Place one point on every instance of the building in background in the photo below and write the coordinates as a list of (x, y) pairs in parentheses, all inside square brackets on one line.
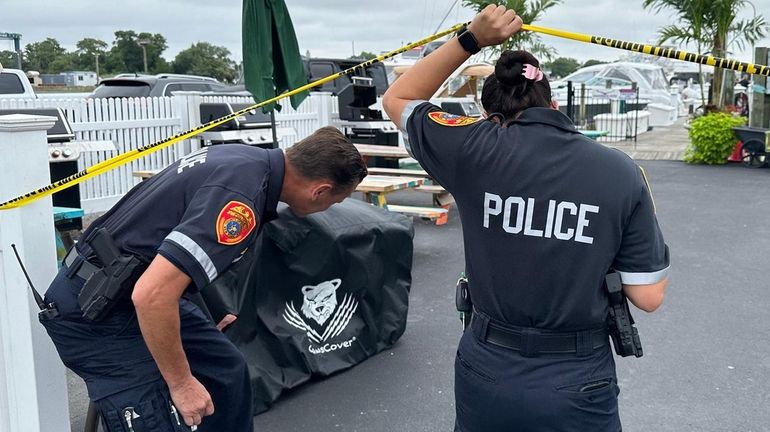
[(80, 78), (70, 79)]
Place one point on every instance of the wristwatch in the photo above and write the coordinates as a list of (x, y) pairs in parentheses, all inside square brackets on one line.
[(468, 41)]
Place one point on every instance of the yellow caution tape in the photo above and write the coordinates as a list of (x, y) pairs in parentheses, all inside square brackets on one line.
[(131, 155), (754, 69)]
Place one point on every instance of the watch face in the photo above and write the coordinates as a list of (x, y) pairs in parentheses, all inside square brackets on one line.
[(469, 42)]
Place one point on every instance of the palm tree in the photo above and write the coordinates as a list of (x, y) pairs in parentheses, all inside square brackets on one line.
[(529, 11), (712, 24), (691, 14), (727, 32)]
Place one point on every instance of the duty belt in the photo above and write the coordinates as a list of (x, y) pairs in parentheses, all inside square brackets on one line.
[(531, 341), (76, 265)]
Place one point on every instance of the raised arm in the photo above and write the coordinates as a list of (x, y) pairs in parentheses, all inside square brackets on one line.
[(491, 26)]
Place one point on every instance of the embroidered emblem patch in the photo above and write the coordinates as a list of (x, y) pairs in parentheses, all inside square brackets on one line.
[(235, 222), (447, 119)]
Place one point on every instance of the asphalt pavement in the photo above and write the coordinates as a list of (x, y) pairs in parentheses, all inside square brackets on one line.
[(707, 349)]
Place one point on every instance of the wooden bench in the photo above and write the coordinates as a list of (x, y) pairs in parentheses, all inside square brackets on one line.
[(441, 199), (146, 174), (398, 172), (440, 195), (432, 213)]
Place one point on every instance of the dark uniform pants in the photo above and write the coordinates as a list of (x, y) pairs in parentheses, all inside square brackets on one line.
[(123, 379), (498, 389)]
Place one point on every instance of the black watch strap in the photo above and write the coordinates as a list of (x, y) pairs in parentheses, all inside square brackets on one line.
[(468, 41)]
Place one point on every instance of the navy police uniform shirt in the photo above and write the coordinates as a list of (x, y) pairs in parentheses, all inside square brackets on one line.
[(545, 213), (202, 212)]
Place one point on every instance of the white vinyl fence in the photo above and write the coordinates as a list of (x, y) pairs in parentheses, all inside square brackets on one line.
[(136, 122)]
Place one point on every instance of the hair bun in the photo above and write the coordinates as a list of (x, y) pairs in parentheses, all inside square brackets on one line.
[(510, 67)]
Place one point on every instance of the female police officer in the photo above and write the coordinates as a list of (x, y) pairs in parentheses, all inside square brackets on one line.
[(545, 213)]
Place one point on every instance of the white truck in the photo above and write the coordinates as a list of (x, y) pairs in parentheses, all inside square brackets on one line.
[(15, 85)]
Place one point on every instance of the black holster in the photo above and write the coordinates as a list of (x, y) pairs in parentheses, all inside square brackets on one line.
[(625, 337), (463, 301), (111, 284)]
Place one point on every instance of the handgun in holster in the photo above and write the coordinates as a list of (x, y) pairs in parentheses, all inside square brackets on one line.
[(463, 301), (625, 337), (111, 284)]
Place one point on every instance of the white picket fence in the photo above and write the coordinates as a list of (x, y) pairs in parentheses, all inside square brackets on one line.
[(136, 122)]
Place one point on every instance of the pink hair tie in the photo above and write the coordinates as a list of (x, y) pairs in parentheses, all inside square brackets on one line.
[(532, 73)]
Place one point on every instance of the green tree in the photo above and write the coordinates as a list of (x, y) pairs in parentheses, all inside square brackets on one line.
[(562, 66), (592, 62), (88, 49), (206, 59), (63, 63), (8, 59), (126, 54), (712, 25), (529, 11), (365, 55), (40, 56)]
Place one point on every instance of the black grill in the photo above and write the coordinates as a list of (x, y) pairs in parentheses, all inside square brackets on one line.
[(254, 119)]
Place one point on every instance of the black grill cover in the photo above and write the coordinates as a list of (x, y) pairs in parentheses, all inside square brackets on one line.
[(317, 295)]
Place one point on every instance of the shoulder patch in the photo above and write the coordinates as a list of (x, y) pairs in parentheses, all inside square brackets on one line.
[(235, 222), (446, 119)]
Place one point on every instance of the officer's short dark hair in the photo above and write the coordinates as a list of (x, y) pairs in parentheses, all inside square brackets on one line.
[(509, 92), (328, 155)]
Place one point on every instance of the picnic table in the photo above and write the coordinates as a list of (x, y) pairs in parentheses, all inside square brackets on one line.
[(376, 187), (391, 152)]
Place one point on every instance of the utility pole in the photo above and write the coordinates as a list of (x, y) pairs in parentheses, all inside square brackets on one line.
[(142, 43), (96, 56)]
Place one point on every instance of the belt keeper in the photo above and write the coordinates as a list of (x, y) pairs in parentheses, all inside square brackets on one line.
[(73, 269), (528, 343), (584, 343), (483, 325)]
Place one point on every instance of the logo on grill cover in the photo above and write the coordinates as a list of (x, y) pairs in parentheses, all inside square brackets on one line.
[(322, 317)]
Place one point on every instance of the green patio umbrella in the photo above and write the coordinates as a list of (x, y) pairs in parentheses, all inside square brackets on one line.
[(271, 60)]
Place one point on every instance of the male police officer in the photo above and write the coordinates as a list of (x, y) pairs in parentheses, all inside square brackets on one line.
[(150, 358)]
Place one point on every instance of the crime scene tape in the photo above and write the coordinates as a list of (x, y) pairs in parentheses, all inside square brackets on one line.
[(754, 69), (131, 155)]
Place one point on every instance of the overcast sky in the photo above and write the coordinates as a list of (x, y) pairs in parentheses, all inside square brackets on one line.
[(327, 28)]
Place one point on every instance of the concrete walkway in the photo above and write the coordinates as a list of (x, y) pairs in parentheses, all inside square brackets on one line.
[(661, 143)]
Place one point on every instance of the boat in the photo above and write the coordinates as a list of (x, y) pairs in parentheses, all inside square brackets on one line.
[(610, 82)]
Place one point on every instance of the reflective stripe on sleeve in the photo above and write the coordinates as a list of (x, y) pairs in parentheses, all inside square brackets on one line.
[(196, 251), (632, 278), (408, 110)]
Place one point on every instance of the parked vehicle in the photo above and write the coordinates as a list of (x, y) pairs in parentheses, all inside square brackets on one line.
[(318, 68), (15, 85), (137, 85)]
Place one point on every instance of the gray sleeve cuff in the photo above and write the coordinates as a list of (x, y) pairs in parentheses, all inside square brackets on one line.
[(408, 110), (633, 278)]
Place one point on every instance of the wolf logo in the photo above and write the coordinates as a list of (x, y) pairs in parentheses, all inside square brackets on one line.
[(320, 300), (320, 304)]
